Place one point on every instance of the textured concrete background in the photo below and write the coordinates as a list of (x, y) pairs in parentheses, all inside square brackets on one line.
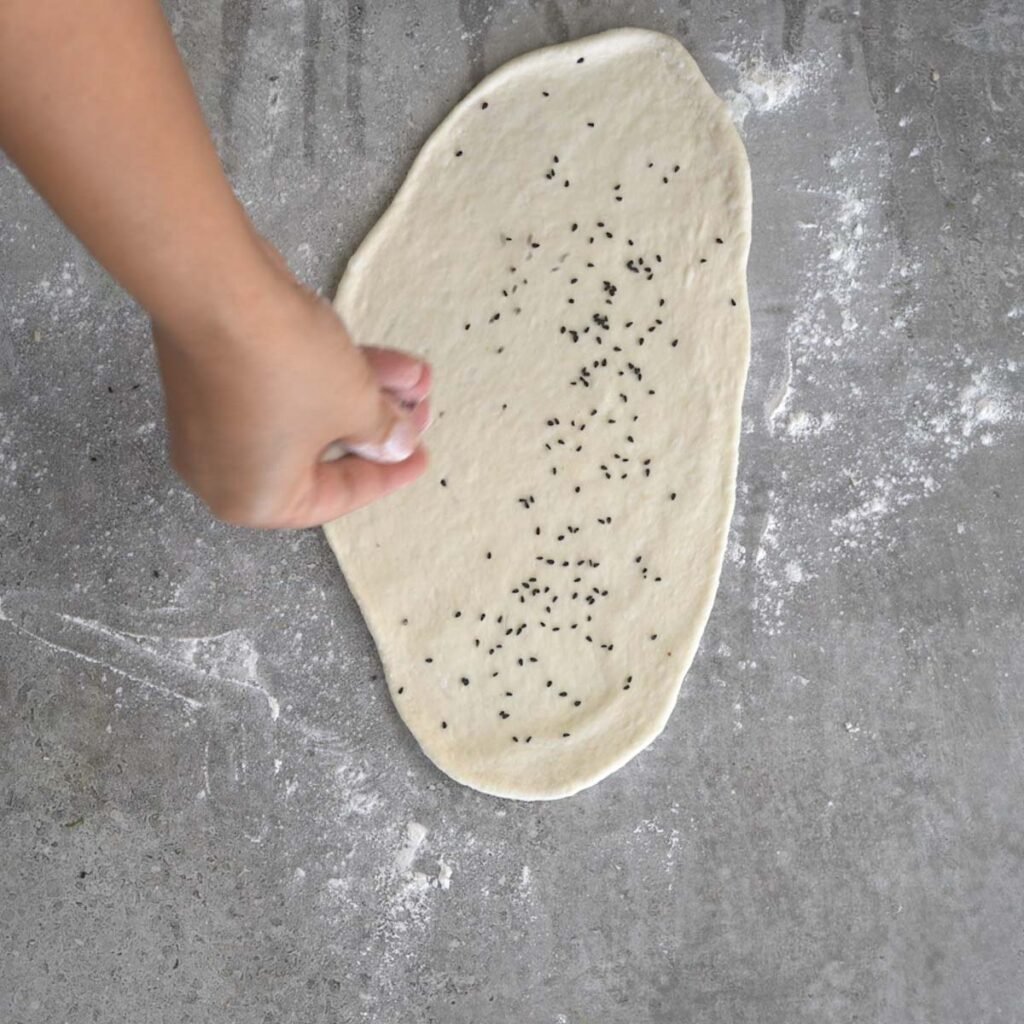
[(205, 791)]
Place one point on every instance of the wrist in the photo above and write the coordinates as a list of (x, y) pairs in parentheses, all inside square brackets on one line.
[(229, 295)]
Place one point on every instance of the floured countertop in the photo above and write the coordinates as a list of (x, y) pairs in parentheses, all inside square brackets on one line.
[(211, 810)]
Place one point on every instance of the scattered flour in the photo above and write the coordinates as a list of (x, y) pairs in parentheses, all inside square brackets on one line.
[(805, 424), (882, 426), (406, 895), (763, 86), (359, 796), (444, 874), (984, 403), (147, 684), (227, 660), (415, 833)]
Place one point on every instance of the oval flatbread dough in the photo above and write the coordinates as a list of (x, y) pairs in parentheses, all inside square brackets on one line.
[(569, 252)]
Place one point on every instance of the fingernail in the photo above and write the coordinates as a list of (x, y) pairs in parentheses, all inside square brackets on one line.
[(396, 447)]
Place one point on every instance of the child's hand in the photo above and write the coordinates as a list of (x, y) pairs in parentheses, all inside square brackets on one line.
[(255, 403), (261, 378)]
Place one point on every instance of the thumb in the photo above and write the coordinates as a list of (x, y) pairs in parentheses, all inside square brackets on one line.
[(391, 435)]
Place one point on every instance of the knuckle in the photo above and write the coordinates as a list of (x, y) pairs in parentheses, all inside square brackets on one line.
[(238, 510)]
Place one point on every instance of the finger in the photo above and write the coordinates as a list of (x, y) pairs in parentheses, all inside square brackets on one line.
[(421, 416), (380, 429), (422, 389), (393, 436), (350, 483), (399, 372)]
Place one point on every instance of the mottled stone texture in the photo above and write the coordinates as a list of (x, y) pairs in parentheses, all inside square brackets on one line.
[(204, 786)]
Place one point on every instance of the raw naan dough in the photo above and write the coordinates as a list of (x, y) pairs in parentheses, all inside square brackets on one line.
[(569, 252)]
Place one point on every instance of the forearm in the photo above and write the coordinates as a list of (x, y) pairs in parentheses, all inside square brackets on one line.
[(98, 112)]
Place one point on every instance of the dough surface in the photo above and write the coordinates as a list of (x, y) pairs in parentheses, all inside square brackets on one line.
[(569, 252)]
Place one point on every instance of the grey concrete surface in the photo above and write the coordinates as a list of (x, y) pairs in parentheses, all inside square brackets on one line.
[(203, 786)]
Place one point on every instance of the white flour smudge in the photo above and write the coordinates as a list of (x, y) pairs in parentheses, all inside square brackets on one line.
[(405, 861), (764, 86), (147, 684), (415, 833), (228, 659), (444, 874), (358, 795), (984, 404)]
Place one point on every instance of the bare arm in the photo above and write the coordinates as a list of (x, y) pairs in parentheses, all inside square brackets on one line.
[(260, 376)]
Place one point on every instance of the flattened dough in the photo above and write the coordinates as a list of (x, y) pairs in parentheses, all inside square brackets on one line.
[(569, 252)]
